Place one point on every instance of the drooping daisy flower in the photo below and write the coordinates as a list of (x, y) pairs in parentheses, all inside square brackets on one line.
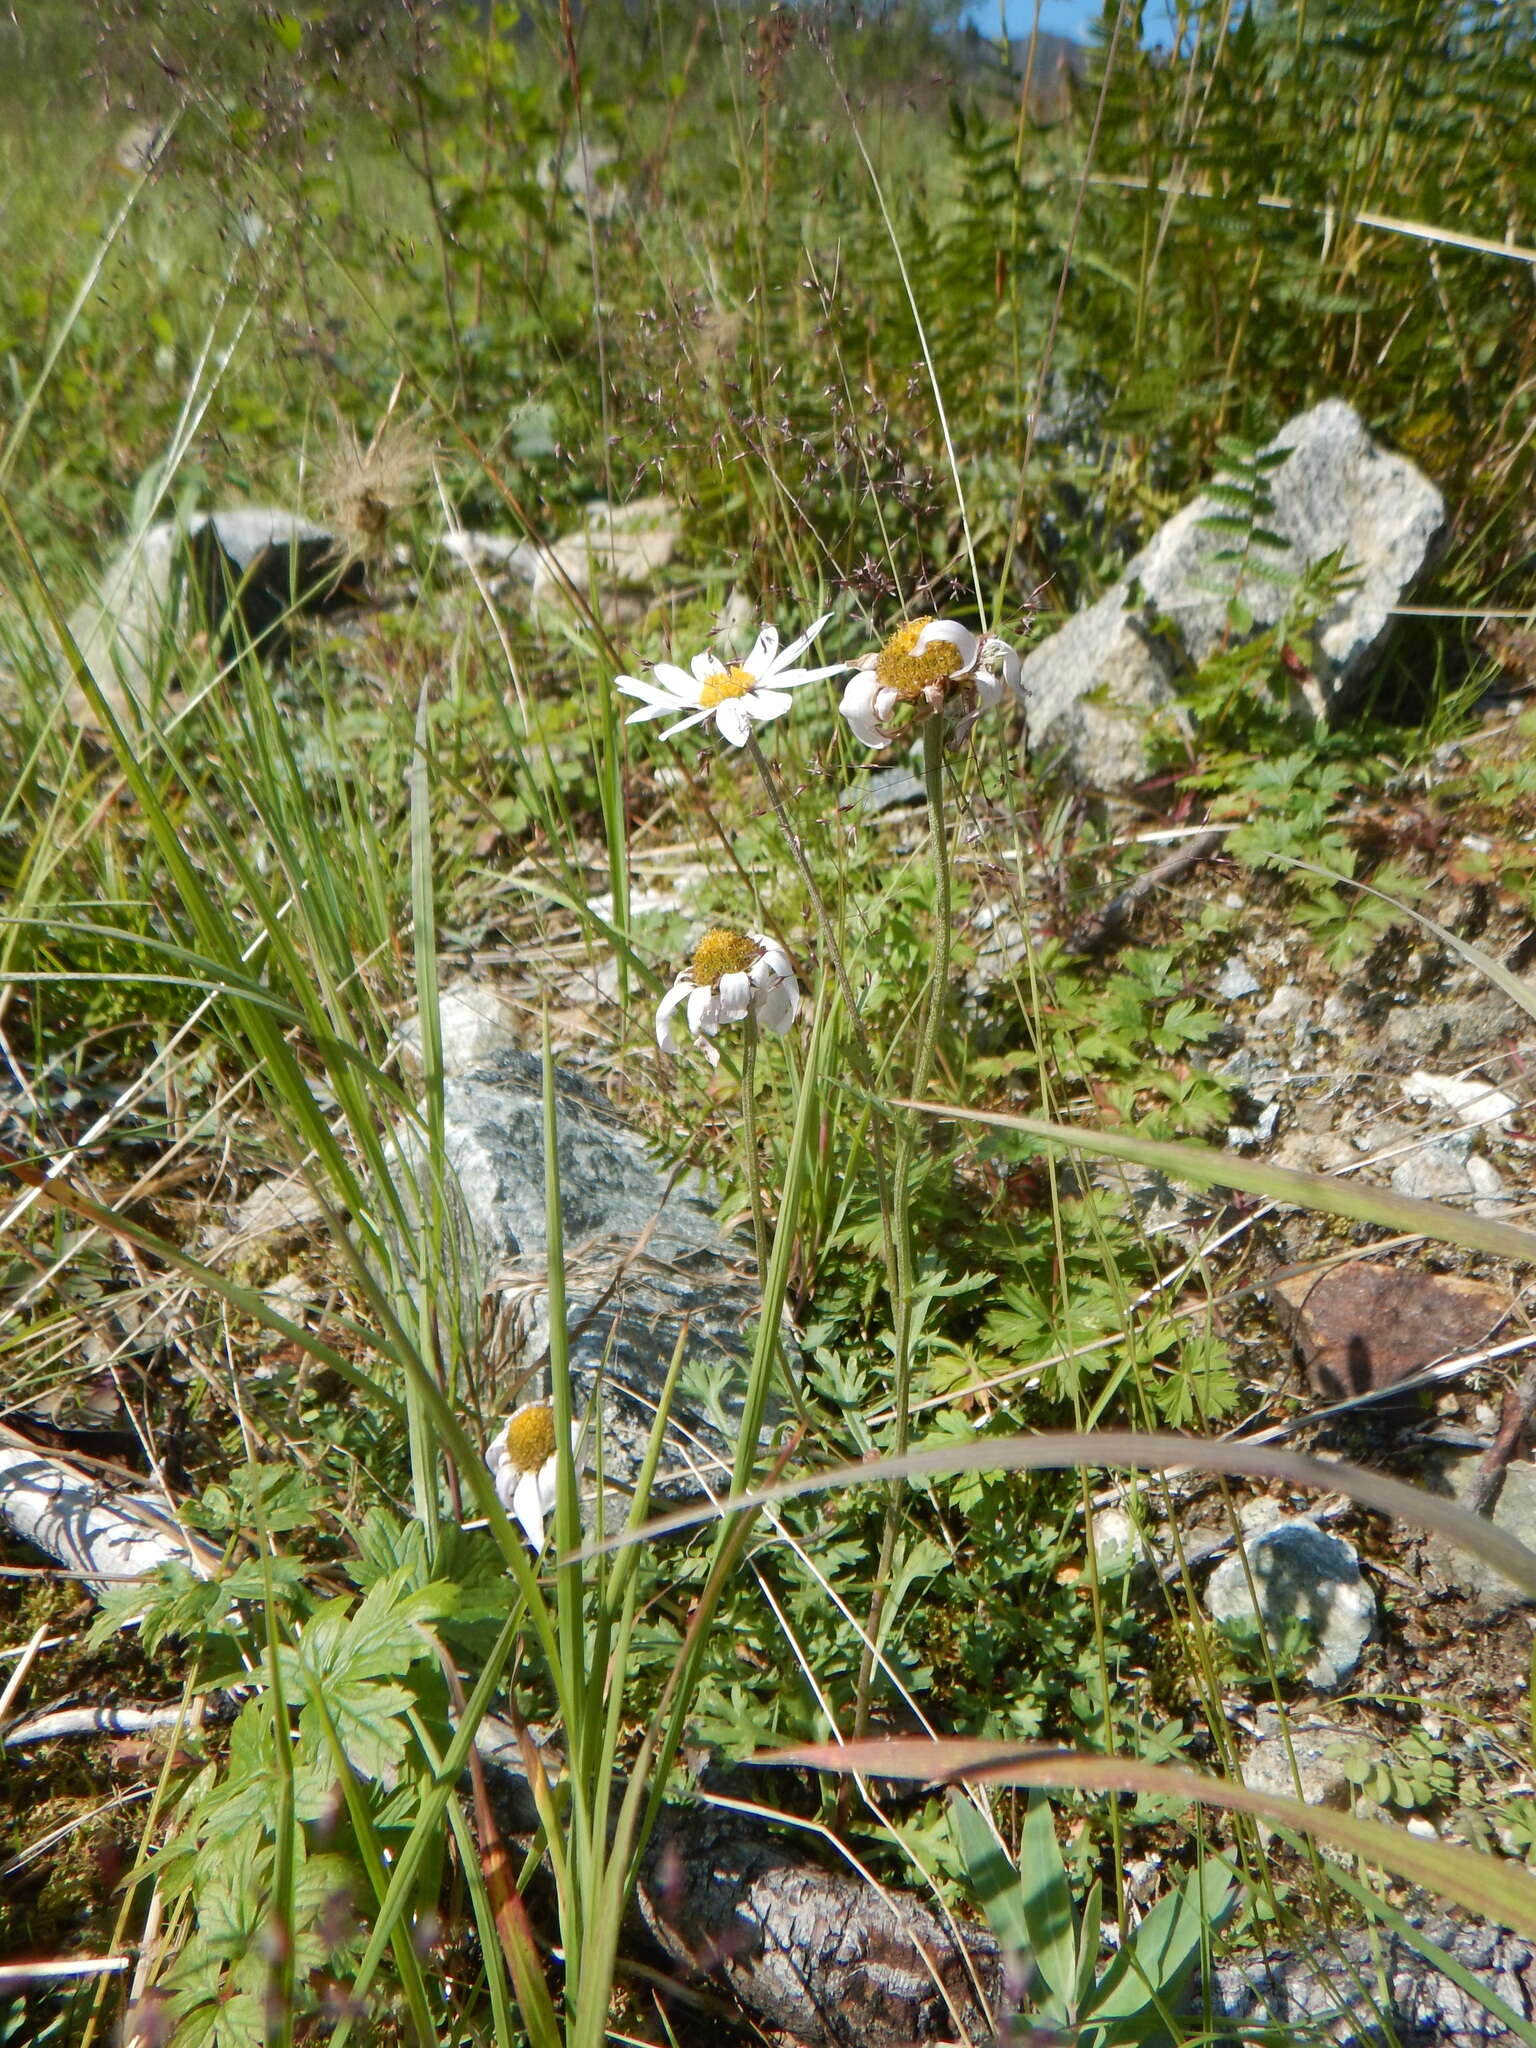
[(928, 668), (523, 1465), (732, 697), (732, 975)]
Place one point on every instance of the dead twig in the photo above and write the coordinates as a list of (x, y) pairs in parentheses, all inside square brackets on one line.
[(1094, 934), (1514, 1419)]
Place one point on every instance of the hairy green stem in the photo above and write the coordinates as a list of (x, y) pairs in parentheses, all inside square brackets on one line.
[(749, 1140), (824, 929), (864, 1059)]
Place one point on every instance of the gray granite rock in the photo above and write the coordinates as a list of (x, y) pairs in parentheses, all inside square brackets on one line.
[(241, 572), (1514, 1511), (1304, 1759), (500, 558), (476, 1020), (1367, 1989), (1459, 1031), (1300, 1572), (1093, 687), (643, 1253)]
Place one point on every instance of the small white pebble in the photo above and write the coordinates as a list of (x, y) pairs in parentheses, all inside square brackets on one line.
[(1424, 1829)]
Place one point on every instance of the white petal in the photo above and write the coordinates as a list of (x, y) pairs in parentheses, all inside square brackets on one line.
[(547, 1478), (792, 678), (774, 963), (764, 649), (732, 721), (682, 725), (684, 687), (797, 647), (676, 995), (702, 1014), (777, 1005), (734, 994), (958, 636), (528, 1507), (663, 710), (765, 704), (1013, 668), (503, 1475), (858, 707), (649, 693), (704, 666)]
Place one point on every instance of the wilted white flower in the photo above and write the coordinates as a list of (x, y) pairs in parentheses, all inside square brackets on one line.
[(732, 975), (733, 697), (929, 667), (523, 1465)]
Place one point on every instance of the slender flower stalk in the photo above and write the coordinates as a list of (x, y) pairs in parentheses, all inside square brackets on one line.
[(901, 1227)]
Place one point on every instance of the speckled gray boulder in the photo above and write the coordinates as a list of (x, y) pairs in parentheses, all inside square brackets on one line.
[(1095, 685), (643, 1253), (1300, 1572)]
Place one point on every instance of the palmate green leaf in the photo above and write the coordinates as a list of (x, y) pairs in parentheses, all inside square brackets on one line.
[(381, 1637), (356, 1657)]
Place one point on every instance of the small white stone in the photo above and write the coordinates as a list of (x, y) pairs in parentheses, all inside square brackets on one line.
[(1470, 1102), (1288, 1005), (1236, 980), (1426, 1830)]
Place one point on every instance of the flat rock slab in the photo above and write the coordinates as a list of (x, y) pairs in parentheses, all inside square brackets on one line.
[(1094, 686), (643, 1254), (1363, 1327)]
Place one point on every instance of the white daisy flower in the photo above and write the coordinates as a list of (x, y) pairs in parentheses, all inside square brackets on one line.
[(732, 975), (523, 1465), (928, 667), (733, 697)]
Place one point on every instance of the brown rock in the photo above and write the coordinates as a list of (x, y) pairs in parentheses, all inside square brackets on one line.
[(1362, 1327)]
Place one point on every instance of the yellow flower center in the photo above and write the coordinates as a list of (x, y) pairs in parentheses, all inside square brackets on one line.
[(898, 668), (735, 682), (721, 951), (530, 1437)]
